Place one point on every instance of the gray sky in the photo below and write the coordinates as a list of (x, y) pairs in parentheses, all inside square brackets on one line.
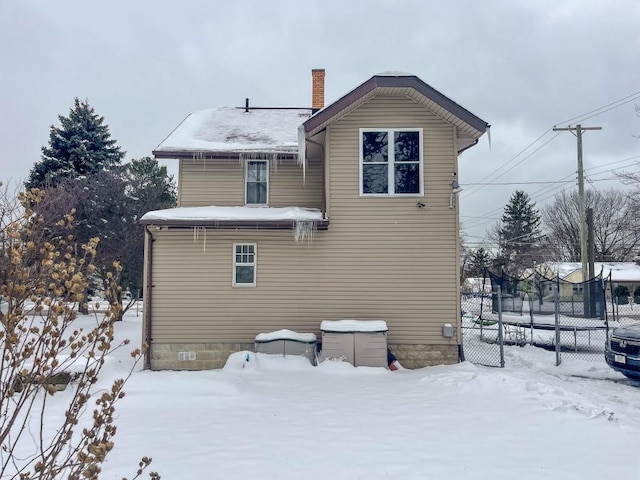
[(523, 66)]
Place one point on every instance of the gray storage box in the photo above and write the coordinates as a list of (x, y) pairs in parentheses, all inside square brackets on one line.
[(287, 342), (363, 343)]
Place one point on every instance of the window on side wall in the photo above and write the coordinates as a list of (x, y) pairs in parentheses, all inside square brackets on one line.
[(391, 162), (256, 182), (244, 264)]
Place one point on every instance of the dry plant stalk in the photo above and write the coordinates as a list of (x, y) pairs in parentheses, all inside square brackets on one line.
[(43, 280)]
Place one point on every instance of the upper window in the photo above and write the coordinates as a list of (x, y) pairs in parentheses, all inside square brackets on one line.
[(391, 161), (256, 182), (244, 264)]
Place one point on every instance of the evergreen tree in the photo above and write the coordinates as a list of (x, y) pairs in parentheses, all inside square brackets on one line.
[(519, 233), (82, 145), (480, 259), (150, 185)]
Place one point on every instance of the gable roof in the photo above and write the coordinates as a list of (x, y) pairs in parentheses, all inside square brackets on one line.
[(390, 83), (277, 132), (231, 131)]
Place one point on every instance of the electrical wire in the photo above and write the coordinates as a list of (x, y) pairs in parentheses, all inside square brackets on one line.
[(584, 116)]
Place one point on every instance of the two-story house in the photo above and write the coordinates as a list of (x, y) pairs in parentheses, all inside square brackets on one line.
[(288, 217)]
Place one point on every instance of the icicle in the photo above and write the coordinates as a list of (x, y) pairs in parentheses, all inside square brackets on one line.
[(304, 230), (204, 245), (302, 154), (489, 136), (195, 156)]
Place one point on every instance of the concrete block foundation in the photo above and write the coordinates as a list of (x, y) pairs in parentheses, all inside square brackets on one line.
[(208, 356)]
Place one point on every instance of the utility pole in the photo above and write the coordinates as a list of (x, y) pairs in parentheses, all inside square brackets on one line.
[(591, 254), (577, 131)]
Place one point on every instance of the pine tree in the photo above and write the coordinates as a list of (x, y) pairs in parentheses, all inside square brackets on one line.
[(480, 259), (520, 233), (150, 184), (82, 145)]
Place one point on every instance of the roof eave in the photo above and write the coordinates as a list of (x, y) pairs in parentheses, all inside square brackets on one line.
[(378, 81), (219, 154), (234, 224)]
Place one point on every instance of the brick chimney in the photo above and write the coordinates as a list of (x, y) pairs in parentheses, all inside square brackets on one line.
[(317, 89)]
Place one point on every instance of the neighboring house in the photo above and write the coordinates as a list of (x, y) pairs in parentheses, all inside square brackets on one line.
[(622, 273), (476, 285), (288, 217)]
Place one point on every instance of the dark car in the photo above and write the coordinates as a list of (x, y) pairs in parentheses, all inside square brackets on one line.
[(622, 351)]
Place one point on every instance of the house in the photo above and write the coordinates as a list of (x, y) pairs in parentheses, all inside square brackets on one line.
[(621, 273), (288, 217)]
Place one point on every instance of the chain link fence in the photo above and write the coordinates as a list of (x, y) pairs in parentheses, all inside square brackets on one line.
[(562, 317)]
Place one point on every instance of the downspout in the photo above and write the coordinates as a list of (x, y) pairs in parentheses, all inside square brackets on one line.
[(324, 195), (148, 297)]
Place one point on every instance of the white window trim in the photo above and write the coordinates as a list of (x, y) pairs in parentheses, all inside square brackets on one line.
[(391, 162), (254, 264), (246, 177)]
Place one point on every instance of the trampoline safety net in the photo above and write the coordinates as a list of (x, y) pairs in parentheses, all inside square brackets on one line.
[(536, 294)]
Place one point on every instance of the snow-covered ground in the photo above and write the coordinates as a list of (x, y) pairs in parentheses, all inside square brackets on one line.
[(269, 417)]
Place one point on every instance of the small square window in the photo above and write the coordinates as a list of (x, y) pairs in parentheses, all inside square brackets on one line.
[(244, 265)]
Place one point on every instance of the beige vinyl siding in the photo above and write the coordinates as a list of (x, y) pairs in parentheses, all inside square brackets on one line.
[(374, 227), (298, 286), (221, 182), (382, 258)]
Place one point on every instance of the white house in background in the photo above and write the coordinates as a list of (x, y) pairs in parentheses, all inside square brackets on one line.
[(289, 217)]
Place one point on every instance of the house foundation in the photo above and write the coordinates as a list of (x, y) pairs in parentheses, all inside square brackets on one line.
[(208, 356), (418, 356), (193, 356)]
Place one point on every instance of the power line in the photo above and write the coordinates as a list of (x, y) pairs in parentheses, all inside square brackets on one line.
[(515, 156), (625, 100), (516, 183)]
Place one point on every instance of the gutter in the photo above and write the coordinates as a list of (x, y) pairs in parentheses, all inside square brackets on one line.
[(475, 142), (233, 224), (218, 155), (323, 208), (148, 297)]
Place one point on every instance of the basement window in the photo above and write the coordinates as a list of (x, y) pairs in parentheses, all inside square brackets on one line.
[(244, 264), (391, 162)]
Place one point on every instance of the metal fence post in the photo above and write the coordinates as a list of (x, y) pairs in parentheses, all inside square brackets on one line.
[(556, 296), (500, 336)]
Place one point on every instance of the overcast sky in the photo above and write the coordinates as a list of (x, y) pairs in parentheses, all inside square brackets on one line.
[(522, 66)]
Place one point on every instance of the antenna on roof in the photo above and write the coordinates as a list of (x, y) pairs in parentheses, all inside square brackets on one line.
[(246, 105)]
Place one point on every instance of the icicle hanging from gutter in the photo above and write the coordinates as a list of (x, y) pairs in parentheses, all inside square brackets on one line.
[(304, 230), (489, 136), (302, 152), (200, 156), (196, 236)]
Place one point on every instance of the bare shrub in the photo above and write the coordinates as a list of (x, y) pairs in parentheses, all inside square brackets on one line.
[(43, 283)]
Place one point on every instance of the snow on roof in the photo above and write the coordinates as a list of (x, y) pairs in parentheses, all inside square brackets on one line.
[(285, 334), (231, 129), (620, 271), (353, 326), (233, 213), (392, 73)]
